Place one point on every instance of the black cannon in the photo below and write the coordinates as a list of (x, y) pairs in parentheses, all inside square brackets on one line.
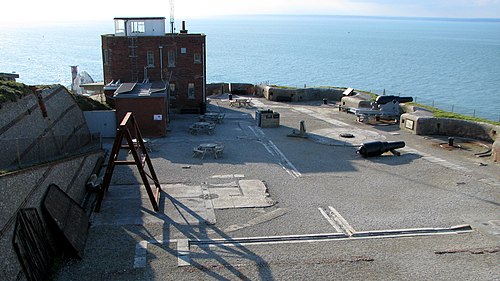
[(386, 99), (376, 148)]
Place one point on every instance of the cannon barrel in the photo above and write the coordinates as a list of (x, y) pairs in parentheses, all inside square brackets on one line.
[(386, 99), (376, 148)]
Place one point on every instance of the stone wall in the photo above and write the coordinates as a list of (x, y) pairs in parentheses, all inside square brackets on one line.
[(26, 189), (34, 129), (422, 124), (298, 94), (235, 88)]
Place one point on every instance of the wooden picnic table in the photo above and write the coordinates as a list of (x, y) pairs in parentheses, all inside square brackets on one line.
[(204, 148), (212, 116), (241, 102), (202, 127)]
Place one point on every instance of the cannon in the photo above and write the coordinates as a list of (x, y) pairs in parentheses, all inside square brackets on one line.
[(376, 148), (385, 99), (384, 107)]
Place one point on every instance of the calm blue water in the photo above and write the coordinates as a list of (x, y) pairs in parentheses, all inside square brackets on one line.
[(453, 64)]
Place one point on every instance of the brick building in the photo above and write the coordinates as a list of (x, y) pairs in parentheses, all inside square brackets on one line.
[(141, 51), (148, 102)]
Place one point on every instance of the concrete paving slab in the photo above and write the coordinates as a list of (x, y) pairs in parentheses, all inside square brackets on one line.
[(424, 188), (252, 202), (253, 187), (248, 194), (181, 191), (181, 204), (226, 192)]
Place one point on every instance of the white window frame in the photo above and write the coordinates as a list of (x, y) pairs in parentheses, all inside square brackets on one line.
[(183, 50), (191, 92), (138, 27), (150, 59), (119, 26)]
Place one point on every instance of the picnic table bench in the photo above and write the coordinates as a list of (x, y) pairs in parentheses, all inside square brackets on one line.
[(202, 127), (216, 149), (212, 117), (246, 102)]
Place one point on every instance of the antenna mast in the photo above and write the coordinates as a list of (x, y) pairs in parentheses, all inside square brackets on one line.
[(172, 16)]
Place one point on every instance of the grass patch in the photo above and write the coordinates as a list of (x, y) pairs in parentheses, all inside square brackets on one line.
[(283, 87), (87, 104), (438, 113), (11, 91)]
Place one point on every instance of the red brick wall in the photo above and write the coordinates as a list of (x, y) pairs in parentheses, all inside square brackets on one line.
[(186, 71), (144, 110)]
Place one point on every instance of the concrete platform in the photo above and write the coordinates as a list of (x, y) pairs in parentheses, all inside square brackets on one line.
[(275, 207)]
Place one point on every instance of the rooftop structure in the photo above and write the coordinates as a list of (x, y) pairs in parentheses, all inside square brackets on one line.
[(150, 26)]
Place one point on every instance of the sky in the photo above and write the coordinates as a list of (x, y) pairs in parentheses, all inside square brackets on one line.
[(41, 11)]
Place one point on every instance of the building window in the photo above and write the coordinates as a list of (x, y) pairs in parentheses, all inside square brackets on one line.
[(138, 27), (119, 26), (197, 58), (150, 59), (171, 58), (106, 56), (183, 50), (191, 95)]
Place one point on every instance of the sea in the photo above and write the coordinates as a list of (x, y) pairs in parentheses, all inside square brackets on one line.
[(452, 64)]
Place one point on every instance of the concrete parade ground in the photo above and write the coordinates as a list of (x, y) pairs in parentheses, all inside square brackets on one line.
[(275, 207)]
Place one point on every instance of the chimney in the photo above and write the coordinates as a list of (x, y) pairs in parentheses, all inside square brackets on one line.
[(183, 30)]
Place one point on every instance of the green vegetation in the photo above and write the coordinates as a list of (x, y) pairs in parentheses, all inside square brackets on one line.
[(11, 91), (373, 96), (438, 113), (87, 104), (283, 87)]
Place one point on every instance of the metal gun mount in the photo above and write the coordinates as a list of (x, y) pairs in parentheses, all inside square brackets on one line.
[(376, 148), (384, 107)]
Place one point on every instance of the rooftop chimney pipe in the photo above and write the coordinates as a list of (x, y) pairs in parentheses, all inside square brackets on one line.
[(184, 30)]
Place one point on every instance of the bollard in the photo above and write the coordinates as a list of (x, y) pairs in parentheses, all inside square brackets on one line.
[(325, 101), (450, 141)]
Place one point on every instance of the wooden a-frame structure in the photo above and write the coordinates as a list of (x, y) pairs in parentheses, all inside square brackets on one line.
[(141, 158)]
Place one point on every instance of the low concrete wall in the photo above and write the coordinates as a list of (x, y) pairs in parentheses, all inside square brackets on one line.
[(496, 150), (27, 188), (422, 124), (235, 88), (30, 133), (298, 94)]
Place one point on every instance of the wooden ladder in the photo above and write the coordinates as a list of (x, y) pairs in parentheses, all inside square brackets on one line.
[(140, 160)]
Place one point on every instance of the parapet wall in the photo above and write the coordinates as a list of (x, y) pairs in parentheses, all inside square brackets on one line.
[(298, 94), (234, 88), (35, 128), (421, 124), (26, 189)]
